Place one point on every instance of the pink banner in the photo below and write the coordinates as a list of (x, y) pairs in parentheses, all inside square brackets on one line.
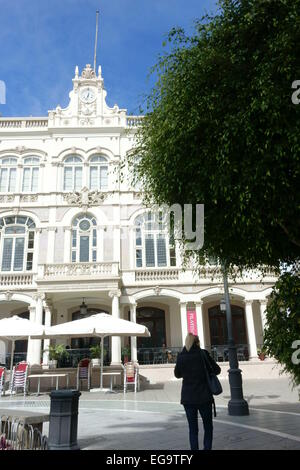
[(192, 321)]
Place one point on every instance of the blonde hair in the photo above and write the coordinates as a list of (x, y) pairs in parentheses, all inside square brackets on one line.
[(190, 340)]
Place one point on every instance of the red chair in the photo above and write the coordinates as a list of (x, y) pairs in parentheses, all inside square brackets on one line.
[(131, 376), (2, 380), (84, 372), (19, 378)]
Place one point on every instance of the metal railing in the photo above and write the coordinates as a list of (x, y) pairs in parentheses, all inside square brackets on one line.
[(18, 357), (220, 352), (15, 435), (167, 355), (75, 355)]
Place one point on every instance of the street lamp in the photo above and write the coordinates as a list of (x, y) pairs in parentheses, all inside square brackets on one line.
[(237, 406)]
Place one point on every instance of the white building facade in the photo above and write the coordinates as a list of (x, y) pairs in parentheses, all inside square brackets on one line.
[(72, 230)]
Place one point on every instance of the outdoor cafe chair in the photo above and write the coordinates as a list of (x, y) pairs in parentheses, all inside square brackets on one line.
[(2, 380), (131, 376), (84, 372), (19, 378)]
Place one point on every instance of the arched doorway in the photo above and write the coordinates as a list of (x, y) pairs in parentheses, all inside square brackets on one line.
[(86, 342), (218, 326), (154, 319)]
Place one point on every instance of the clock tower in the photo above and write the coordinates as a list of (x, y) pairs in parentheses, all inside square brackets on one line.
[(87, 105)]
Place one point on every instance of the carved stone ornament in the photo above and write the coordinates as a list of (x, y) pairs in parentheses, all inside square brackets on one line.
[(157, 290), (88, 72), (85, 198), (115, 293), (8, 296), (29, 198), (9, 198)]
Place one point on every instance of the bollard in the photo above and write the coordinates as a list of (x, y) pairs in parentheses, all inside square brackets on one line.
[(63, 420)]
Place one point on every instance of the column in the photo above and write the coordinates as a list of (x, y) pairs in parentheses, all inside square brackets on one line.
[(133, 338), (115, 340), (251, 330), (47, 341), (200, 324), (183, 321), (31, 342), (39, 320), (263, 305)]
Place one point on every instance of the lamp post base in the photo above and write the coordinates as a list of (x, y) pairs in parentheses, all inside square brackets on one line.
[(238, 408)]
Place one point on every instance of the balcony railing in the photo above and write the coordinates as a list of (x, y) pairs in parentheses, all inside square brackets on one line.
[(159, 274), (73, 270), (18, 123), (16, 280)]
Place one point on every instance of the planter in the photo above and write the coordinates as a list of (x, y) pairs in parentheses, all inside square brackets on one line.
[(95, 362), (53, 364), (262, 356)]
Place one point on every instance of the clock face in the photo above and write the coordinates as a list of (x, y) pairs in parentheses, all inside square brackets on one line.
[(87, 95)]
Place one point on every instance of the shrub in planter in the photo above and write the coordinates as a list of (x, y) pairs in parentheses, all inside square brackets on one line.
[(96, 354)]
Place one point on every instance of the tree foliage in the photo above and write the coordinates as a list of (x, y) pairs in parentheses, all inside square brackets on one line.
[(221, 130), (283, 324)]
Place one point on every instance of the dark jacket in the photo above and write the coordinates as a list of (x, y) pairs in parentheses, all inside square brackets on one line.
[(190, 367)]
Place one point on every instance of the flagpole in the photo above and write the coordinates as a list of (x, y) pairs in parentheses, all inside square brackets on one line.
[(96, 38)]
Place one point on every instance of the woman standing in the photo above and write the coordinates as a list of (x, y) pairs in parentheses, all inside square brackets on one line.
[(195, 393)]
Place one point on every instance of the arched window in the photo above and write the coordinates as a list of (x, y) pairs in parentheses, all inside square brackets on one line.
[(73, 173), (8, 174), (98, 173), (17, 243), (84, 239), (154, 247), (31, 174)]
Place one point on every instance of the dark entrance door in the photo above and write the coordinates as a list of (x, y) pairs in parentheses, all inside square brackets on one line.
[(218, 326), (154, 319)]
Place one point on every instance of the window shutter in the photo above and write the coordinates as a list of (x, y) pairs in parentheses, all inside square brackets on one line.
[(3, 179), (12, 180), (19, 254), (103, 177), (35, 179), (26, 179), (68, 179), (78, 178), (94, 184), (161, 252), (7, 254), (150, 257)]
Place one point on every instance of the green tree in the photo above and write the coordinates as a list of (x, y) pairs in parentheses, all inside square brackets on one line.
[(221, 130), (283, 324)]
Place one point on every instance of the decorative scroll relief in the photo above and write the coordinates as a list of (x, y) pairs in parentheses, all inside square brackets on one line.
[(9, 198), (85, 198), (29, 198)]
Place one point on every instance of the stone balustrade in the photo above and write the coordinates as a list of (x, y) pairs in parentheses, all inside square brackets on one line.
[(156, 274), (134, 121), (63, 270), (16, 280), (23, 123)]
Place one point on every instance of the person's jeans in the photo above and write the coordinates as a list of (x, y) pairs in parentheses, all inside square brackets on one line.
[(192, 417)]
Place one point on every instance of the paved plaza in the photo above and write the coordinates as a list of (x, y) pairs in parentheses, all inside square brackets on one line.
[(153, 419)]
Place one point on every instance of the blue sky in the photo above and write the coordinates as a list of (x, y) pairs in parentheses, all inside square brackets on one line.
[(42, 41)]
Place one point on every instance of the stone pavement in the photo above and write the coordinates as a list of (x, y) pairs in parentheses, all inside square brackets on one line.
[(153, 419)]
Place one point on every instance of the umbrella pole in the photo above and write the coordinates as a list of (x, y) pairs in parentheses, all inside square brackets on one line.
[(101, 369), (11, 361)]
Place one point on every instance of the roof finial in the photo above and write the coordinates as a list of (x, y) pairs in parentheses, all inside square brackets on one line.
[(95, 53)]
